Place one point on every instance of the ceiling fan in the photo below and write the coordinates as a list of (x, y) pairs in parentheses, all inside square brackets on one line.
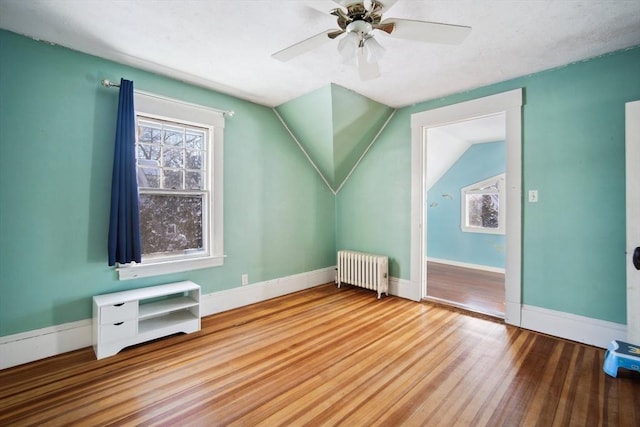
[(360, 22)]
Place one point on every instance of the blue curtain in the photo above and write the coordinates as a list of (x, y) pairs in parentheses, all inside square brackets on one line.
[(124, 221)]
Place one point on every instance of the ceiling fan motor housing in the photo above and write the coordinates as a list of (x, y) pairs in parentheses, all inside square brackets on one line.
[(357, 12)]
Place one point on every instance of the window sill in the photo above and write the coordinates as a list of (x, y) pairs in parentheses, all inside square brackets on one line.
[(137, 271), (482, 230)]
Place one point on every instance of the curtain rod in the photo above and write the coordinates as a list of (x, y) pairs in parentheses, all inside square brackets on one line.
[(109, 83)]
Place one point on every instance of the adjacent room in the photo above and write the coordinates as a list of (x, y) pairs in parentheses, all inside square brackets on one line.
[(317, 212), (465, 214)]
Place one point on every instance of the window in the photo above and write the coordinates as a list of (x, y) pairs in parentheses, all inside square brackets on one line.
[(483, 206), (179, 165), (172, 192)]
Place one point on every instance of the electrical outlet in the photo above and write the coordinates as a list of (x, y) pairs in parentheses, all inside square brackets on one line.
[(245, 279), (533, 196)]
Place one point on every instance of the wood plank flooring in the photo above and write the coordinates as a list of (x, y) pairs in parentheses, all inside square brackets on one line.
[(476, 290), (329, 356)]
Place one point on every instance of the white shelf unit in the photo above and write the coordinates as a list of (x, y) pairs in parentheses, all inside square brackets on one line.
[(122, 319)]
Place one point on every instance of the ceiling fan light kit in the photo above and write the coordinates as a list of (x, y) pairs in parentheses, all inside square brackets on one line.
[(359, 46), (347, 47), (373, 50)]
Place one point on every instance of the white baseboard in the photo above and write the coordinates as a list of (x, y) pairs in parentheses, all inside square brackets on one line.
[(404, 289), (572, 327), (40, 343), (229, 299), (466, 265), (33, 345)]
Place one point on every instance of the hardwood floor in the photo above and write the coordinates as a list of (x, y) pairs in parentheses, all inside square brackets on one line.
[(329, 356), (476, 290)]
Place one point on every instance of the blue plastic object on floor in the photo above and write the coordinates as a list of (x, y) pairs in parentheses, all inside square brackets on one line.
[(621, 355)]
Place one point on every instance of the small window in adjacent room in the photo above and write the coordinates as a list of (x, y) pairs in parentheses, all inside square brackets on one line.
[(483, 206), (179, 165)]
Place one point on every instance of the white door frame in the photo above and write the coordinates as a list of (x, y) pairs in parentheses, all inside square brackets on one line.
[(511, 104), (632, 160)]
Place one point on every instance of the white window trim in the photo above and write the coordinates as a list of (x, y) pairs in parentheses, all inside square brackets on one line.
[(501, 212), (172, 109)]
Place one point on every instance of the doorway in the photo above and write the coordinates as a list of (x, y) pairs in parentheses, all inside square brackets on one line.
[(508, 103), (465, 205)]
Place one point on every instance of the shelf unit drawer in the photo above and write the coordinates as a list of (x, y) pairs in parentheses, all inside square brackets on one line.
[(118, 331), (118, 312)]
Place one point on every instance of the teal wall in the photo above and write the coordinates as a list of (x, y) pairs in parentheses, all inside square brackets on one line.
[(56, 142), (445, 238), (335, 126), (56, 147), (310, 119), (573, 239), (356, 122)]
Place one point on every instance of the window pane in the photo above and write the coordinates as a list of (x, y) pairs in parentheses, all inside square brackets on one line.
[(170, 223), (482, 210), (474, 210), (490, 206), (149, 132), (173, 136), (194, 159), (172, 179), (172, 157), (148, 155), (148, 177), (194, 181), (195, 139)]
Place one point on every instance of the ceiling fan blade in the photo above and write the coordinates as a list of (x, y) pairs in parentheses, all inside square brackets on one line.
[(345, 3), (304, 46), (367, 70), (385, 3), (428, 32)]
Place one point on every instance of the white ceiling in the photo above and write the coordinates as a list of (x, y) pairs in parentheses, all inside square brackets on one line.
[(226, 45), (474, 131), (445, 144)]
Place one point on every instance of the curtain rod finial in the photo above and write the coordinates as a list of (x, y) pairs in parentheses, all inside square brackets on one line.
[(108, 83)]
